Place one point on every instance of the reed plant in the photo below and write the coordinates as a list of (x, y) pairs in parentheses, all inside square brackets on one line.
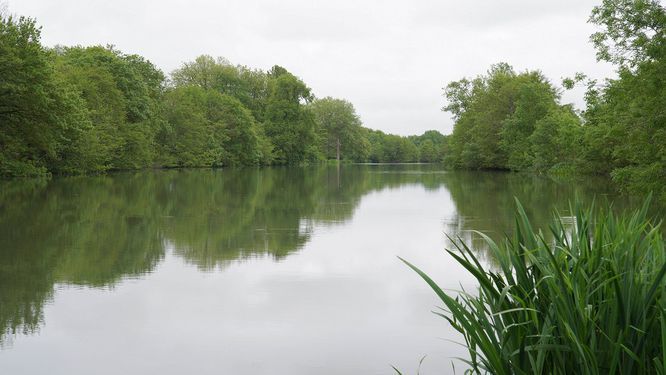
[(587, 299)]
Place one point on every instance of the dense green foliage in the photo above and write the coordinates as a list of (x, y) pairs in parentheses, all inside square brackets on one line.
[(431, 146), (626, 123), (391, 148), (289, 123), (589, 300), (206, 128), (72, 110), (340, 130), (506, 120), (121, 96), (41, 116)]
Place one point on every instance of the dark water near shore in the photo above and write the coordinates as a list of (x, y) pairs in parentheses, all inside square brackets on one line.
[(268, 271)]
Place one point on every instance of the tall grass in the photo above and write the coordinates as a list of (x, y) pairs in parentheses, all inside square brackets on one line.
[(591, 300)]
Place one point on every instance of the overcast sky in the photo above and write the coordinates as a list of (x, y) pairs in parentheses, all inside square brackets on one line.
[(389, 58)]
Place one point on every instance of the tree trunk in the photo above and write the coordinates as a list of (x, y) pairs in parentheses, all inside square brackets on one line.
[(337, 145)]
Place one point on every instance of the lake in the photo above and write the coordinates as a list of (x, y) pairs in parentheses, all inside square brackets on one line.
[(248, 271)]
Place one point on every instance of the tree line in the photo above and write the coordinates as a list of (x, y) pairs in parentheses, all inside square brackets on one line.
[(515, 120), (73, 110)]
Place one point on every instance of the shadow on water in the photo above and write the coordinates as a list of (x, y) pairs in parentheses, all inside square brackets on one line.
[(96, 231)]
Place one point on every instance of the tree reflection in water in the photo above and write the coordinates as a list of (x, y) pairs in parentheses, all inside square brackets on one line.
[(97, 231)]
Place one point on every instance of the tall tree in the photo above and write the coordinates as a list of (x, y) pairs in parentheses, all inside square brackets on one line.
[(195, 136), (123, 96), (41, 116), (495, 116), (340, 127), (250, 86), (289, 123), (557, 140), (204, 71), (632, 32), (626, 124), (431, 145)]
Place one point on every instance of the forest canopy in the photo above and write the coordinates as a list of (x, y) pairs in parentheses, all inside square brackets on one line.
[(75, 110), (515, 120), (78, 110)]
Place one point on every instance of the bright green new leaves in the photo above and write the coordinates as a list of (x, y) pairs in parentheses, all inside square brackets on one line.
[(340, 129), (633, 31), (514, 121), (532, 98), (40, 116), (250, 86), (428, 147), (626, 130), (626, 127), (194, 136), (73, 110), (495, 116), (246, 143), (205, 72), (431, 146), (207, 128), (556, 141), (289, 123), (391, 148), (122, 93), (264, 114)]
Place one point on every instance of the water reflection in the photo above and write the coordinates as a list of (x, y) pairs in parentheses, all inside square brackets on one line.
[(84, 231), (97, 231), (485, 201)]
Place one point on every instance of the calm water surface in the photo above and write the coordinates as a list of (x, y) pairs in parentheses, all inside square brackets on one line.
[(271, 271)]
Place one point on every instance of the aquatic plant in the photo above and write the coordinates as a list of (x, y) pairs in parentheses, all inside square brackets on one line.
[(589, 300)]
